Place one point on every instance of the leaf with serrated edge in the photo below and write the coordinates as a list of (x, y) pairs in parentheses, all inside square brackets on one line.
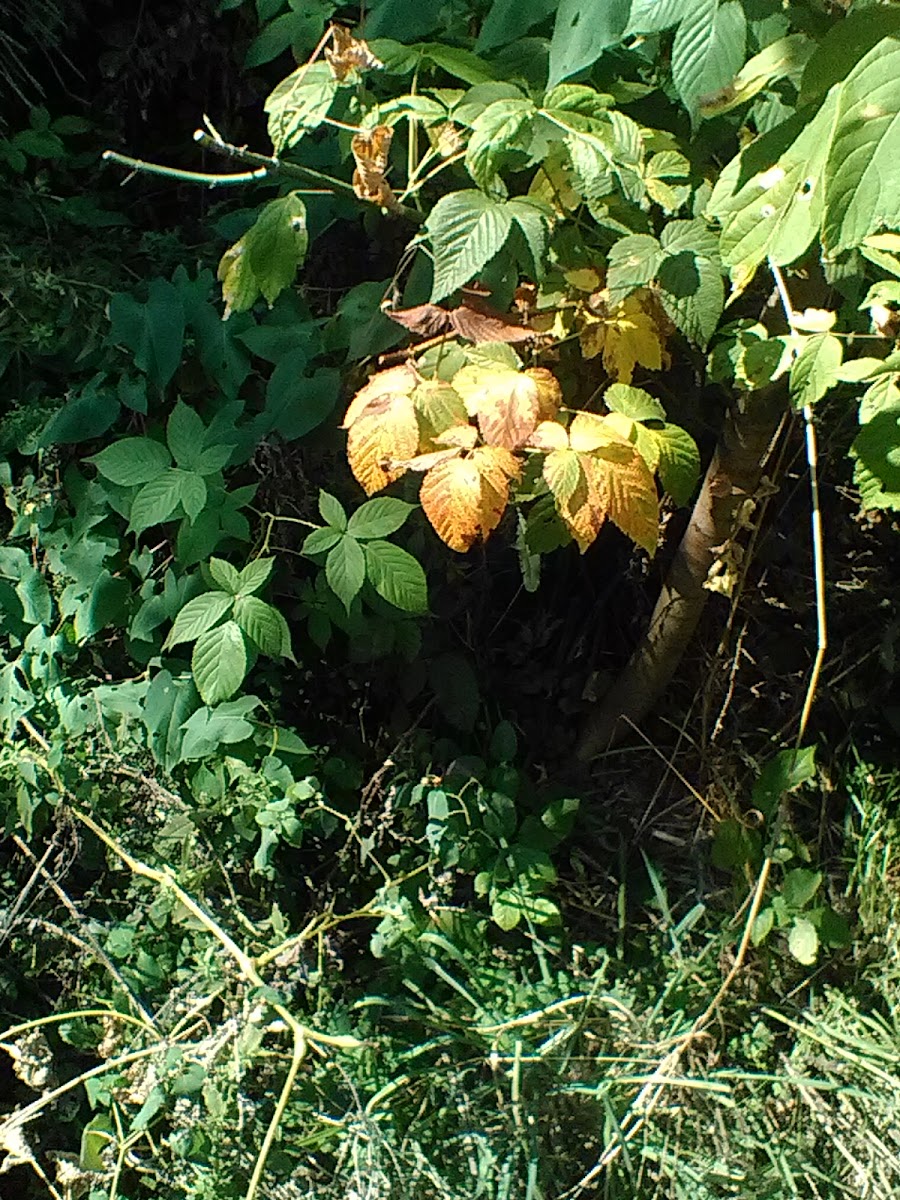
[(377, 438), (627, 493), (197, 616), (254, 575), (345, 570), (464, 498), (378, 518), (264, 625), (439, 405), (633, 402), (549, 392), (563, 475), (219, 662), (549, 435), (627, 337), (396, 576), (225, 575), (815, 369), (678, 461), (507, 408), (381, 391), (466, 230), (130, 462), (464, 437), (589, 432)]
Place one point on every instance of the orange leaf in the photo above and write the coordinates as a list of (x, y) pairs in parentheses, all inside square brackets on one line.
[(464, 498), (370, 153), (627, 493), (381, 391), (348, 53), (505, 402), (549, 392), (379, 439), (585, 512)]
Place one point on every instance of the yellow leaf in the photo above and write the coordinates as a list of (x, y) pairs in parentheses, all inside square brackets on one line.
[(583, 279), (549, 435), (506, 403), (549, 392), (463, 436), (589, 432), (628, 336), (464, 498), (421, 462), (381, 437), (883, 241), (626, 492), (585, 513), (381, 391)]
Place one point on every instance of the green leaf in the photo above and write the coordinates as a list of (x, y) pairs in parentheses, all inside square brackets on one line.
[(531, 219), (800, 886), (396, 576), (466, 230), (708, 50), (633, 263), (508, 20), (157, 501), (803, 941), (633, 402), (198, 616), (301, 26), (770, 197), (254, 575), (653, 16), (503, 130), (378, 518), (345, 570), (264, 626), (169, 703), (583, 30), (219, 662), (815, 370), (679, 461), (844, 45), (212, 459), (300, 103), (321, 540), (783, 773), (225, 575), (15, 701), (862, 172), (266, 258), (193, 494), (693, 294), (104, 604), (185, 432), (877, 453), (154, 332), (131, 461), (300, 403), (208, 728), (462, 64), (332, 511)]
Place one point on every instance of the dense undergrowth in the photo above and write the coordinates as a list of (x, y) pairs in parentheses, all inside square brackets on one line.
[(301, 894)]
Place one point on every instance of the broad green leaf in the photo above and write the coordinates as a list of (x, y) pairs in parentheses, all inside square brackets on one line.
[(185, 433), (708, 50), (880, 396), (379, 518), (219, 662), (531, 219), (169, 703), (679, 461), (508, 20), (877, 453), (225, 575), (770, 197), (862, 173), (784, 57), (762, 926), (345, 570), (15, 701), (653, 16), (104, 604), (466, 230), (633, 263), (225, 725), (266, 258), (301, 27), (321, 540), (306, 404), (803, 941), (131, 461), (633, 402), (693, 294), (153, 332), (212, 459), (695, 236), (197, 616), (499, 135), (193, 493), (300, 103), (264, 626), (815, 370), (800, 886), (783, 773), (461, 64), (844, 45), (332, 511), (254, 575), (583, 30), (157, 501), (396, 576)]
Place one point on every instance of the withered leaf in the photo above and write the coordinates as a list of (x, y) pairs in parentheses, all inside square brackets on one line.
[(347, 53), (381, 391), (370, 149), (472, 319)]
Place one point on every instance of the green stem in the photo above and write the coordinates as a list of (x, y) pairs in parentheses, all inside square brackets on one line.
[(138, 164)]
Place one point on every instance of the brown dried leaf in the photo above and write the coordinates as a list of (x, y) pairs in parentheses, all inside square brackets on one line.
[(381, 391), (378, 440), (478, 322), (464, 498), (370, 149), (627, 492), (347, 53), (427, 320)]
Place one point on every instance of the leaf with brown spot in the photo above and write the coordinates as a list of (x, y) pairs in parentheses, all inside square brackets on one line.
[(505, 403), (627, 493), (347, 54), (381, 391), (370, 149), (549, 392), (463, 436), (378, 439)]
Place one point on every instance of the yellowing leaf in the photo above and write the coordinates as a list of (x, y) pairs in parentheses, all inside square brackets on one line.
[(505, 402), (627, 493), (549, 435), (549, 392), (628, 336), (421, 462), (589, 432), (564, 477), (584, 514), (381, 436), (463, 436), (439, 405), (583, 279), (464, 498), (381, 391)]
